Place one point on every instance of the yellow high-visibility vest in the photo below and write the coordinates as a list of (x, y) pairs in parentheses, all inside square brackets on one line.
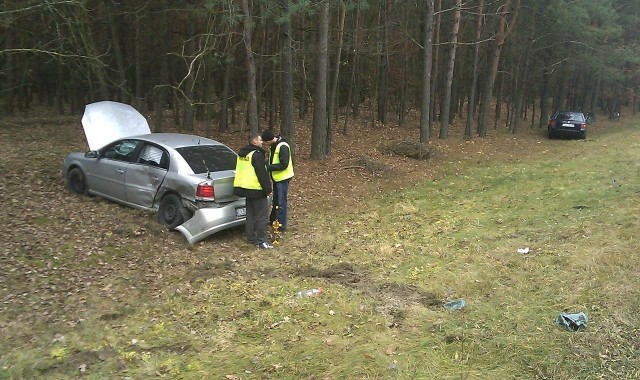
[(281, 175), (246, 177)]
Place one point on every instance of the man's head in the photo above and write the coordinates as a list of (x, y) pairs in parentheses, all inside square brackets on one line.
[(268, 137), (255, 139)]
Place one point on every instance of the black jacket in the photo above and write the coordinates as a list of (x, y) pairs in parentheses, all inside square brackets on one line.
[(259, 165), (285, 156)]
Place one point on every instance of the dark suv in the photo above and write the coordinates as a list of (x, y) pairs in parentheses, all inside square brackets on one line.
[(567, 123)]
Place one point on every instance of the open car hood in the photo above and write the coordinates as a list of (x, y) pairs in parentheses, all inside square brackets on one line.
[(107, 121)]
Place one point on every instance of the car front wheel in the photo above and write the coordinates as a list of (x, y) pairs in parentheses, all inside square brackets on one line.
[(172, 212), (77, 182)]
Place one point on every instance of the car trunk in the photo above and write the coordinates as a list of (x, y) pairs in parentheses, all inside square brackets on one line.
[(223, 188)]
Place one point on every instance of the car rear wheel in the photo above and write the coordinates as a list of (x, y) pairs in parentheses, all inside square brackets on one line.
[(77, 182), (552, 135), (172, 212)]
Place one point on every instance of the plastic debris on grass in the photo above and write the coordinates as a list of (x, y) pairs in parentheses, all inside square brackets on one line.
[(455, 304), (572, 321)]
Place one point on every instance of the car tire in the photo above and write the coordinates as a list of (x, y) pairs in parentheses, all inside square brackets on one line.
[(172, 212), (77, 181), (551, 134)]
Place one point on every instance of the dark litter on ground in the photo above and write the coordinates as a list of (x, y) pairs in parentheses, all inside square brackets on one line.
[(572, 321)]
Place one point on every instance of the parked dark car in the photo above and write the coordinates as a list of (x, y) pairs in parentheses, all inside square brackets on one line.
[(567, 123)]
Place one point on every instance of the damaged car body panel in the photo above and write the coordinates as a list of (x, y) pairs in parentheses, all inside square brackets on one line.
[(187, 179), (207, 221), (107, 121)]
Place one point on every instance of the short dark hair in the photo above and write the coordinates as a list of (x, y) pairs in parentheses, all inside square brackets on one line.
[(253, 135), (267, 135)]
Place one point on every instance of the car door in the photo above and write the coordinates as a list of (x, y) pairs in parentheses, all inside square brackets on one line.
[(143, 178), (107, 176)]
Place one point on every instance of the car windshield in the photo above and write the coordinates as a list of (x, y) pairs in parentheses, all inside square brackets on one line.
[(214, 158), (577, 116)]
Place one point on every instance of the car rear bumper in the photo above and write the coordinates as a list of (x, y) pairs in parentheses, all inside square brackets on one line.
[(207, 221), (568, 130)]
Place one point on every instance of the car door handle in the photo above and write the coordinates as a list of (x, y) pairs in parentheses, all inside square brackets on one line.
[(120, 171)]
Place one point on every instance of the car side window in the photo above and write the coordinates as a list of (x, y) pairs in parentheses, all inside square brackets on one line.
[(154, 156), (124, 150)]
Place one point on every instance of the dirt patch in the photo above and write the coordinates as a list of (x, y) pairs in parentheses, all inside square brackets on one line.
[(369, 165), (341, 273), (409, 295), (77, 362), (393, 299), (410, 149), (111, 316), (205, 271)]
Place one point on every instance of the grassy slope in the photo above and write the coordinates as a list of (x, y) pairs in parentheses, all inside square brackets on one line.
[(148, 306)]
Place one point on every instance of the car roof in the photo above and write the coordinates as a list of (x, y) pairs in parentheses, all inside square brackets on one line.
[(177, 140)]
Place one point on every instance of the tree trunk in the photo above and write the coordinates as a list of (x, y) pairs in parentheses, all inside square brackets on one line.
[(189, 80), (209, 92), (223, 122), (446, 99), (594, 100), (354, 64), (474, 80), (427, 56), (333, 98), (252, 99), (533, 111), (138, 44), (59, 90), (286, 123), (520, 90), (544, 99), (435, 68), (114, 28), (383, 73), (501, 35), (161, 93), (404, 88), (8, 92), (499, 98), (303, 106), (319, 132), (95, 65)]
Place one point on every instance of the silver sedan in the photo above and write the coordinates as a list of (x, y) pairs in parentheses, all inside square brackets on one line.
[(187, 179)]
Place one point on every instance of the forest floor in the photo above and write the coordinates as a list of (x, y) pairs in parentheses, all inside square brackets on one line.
[(72, 266)]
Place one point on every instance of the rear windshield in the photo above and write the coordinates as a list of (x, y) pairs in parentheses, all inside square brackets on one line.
[(214, 158), (576, 116)]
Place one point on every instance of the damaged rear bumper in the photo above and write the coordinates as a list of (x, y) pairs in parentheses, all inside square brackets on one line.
[(207, 221)]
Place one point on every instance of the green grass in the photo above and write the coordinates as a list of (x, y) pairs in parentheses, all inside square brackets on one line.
[(385, 270)]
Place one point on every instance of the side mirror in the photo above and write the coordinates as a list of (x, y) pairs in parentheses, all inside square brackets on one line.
[(92, 154)]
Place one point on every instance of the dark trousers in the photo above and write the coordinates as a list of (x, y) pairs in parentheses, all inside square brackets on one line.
[(256, 224), (279, 209)]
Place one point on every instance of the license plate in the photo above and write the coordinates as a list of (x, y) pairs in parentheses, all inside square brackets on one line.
[(568, 125), (241, 212)]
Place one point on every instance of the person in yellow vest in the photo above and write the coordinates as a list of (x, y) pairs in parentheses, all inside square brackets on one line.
[(252, 182), (281, 168)]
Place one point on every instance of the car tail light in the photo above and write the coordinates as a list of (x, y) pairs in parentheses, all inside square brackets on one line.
[(205, 192), (583, 126), (552, 123)]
